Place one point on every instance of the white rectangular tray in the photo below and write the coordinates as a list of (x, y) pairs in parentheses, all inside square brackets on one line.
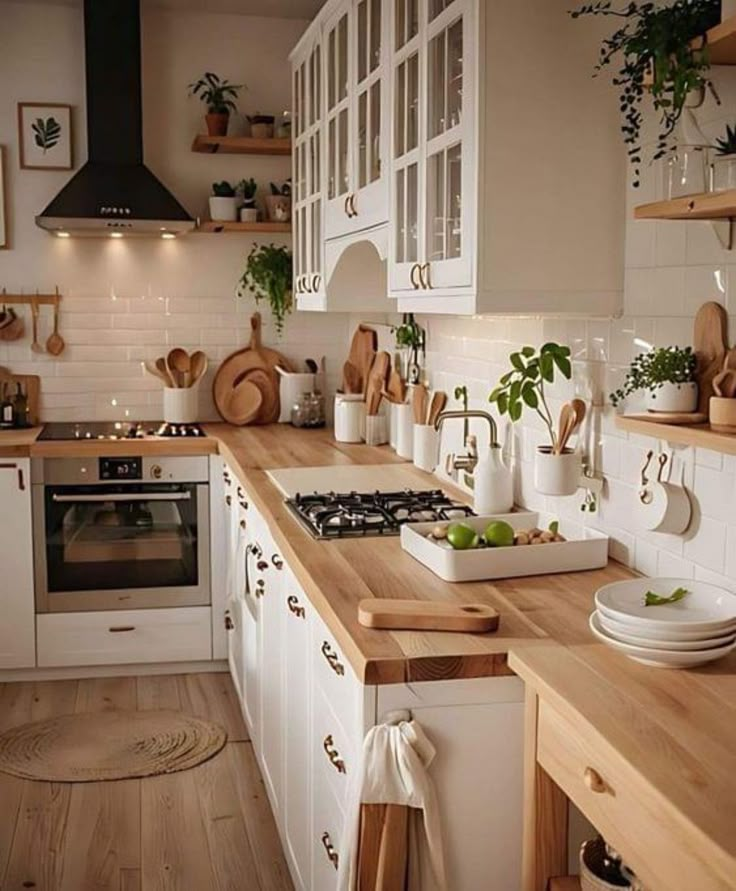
[(584, 549)]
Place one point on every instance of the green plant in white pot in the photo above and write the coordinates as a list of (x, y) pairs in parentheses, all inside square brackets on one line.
[(667, 377), (223, 202), (246, 190)]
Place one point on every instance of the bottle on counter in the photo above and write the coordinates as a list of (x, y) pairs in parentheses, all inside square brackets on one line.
[(20, 407), (6, 407)]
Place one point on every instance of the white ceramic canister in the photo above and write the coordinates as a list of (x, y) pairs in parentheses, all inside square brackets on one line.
[(426, 447), (493, 486), (291, 388), (349, 417), (376, 430), (181, 405), (405, 431), (556, 474), (673, 398)]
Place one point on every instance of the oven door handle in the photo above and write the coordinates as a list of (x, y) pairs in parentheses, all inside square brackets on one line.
[(121, 496)]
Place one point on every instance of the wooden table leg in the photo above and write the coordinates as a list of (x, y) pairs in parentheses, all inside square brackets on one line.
[(545, 812)]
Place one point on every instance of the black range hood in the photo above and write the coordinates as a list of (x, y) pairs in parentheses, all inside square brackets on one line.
[(114, 193)]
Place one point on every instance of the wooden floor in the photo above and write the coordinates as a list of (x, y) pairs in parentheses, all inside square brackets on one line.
[(206, 829)]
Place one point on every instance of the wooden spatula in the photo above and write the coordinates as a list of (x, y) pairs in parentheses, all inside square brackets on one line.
[(568, 422), (419, 401), (436, 406)]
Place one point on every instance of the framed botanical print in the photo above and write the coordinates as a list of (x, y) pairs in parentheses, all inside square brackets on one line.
[(45, 135), (3, 221)]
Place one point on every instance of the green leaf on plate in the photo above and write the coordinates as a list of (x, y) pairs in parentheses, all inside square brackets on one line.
[(652, 599)]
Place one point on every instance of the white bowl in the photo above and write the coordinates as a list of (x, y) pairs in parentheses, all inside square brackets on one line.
[(668, 635), (705, 608), (659, 658), (624, 636)]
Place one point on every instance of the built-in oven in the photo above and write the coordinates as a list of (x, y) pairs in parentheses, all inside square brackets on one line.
[(121, 533)]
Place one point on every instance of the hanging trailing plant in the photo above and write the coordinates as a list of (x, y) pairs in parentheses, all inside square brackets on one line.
[(657, 57), (268, 274)]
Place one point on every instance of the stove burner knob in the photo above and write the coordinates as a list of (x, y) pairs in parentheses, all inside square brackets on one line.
[(156, 471)]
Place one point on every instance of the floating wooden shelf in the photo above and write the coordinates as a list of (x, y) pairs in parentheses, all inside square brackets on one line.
[(721, 42), (708, 206), (223, 226), (565, 883), (240, 145), (700, 436)]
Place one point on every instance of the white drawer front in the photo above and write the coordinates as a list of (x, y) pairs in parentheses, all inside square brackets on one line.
[(117, 637), (335, 753), (335, 678), (327, 828)]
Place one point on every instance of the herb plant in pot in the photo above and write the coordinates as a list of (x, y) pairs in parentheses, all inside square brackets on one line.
[(268, 276), (667, 375), (261, 125), (525, 387), (246, 189), (219, 96), (278, 203), (723, 165), (223, 202)]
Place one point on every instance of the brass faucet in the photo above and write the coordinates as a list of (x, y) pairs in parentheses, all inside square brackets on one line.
[(468, 461)]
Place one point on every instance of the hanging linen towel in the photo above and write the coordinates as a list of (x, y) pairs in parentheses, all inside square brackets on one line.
[(393, 839)]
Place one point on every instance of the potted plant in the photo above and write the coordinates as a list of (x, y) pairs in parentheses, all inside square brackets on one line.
[(223, 202), (410, 343), (667, 374), (657, 57), (278, 203), (268, 276), (525, 387), (723, 166), (261, 125), (219, 96), (246, 189)]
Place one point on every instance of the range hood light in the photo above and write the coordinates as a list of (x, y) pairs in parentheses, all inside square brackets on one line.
[(62, 234), (168, 235), (116, 235)]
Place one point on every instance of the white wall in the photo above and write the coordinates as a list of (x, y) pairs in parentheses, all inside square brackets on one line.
[(129, 300)]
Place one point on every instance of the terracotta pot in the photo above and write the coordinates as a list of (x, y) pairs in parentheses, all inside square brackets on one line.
[(217, 124)]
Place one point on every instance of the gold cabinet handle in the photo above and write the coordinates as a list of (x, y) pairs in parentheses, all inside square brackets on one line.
[(121, 629), (416, 268), (332, 659), (332, 854), (316, 282), (351, 205), (328, 744), (346, 206), (594, 781), (260, 589), (292, 601), (228, 500), (229, 624), (277, 561), (424, 277)]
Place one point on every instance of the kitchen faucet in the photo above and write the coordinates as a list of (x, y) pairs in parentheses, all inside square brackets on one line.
[(468, 461)]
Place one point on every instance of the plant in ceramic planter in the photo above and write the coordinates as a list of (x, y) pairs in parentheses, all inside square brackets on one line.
[(219, 96), (411, 339), (667, 375), (278, 203), (654, 44), (261, 125), (223, 202), (723, 167), (247, 189), (268, 276)]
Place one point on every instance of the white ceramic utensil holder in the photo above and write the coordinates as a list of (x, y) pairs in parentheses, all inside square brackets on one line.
[(405, 431), (557, 474), (181, 405), (392, 424), (376, 430), (349, 417), (426, 447), (291, 388)]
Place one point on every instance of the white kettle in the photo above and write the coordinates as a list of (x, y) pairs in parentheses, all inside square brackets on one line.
[(494, 483)]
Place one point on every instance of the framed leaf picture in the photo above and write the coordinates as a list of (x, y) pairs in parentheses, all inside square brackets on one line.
[(3, 221), (45, 136)]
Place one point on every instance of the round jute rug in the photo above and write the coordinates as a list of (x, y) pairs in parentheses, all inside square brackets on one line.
[(111, 745)]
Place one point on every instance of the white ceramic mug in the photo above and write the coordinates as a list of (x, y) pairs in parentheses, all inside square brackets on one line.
[(557, 474), (181, 405), (405, 431), (426, 447), (349, 417)]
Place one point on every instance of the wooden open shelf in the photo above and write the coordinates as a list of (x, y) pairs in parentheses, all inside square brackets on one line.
[(708, 206), (700, 435), (721, 42), (223, 226), (240, 145), (565, 883)]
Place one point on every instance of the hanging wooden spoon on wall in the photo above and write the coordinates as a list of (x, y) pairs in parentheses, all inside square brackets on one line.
[(55, 342)]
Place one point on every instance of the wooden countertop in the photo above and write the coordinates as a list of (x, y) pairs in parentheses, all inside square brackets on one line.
[(17, 443), (25, 444)]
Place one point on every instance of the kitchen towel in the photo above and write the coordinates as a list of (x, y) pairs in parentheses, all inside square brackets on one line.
[(393, 839)]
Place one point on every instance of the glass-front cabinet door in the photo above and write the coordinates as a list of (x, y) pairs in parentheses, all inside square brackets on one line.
[(338, 115)]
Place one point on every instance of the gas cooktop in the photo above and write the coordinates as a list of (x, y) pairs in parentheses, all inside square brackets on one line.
[(356, 514), (110, 430)]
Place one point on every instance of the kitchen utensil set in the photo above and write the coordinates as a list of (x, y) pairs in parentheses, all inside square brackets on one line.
[(179, 369), (426, 410), (695, 626), (12, 326), (360, 360), (572, 415), (377, 380)]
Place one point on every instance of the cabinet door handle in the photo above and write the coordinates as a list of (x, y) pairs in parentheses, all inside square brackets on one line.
[(243, 503), (228, 500), (424, 277), (21, 480), (260, 589), (120, 629), (332, 854), (316, 282), (594, 781), (277, 561), (229, 624), (226, 478), (346, 206), (351, 205), (328, 744), (413, 276), (299, 284), (292, 601), (332, 659)]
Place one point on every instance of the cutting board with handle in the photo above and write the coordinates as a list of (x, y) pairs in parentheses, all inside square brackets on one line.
[(238, 366), (362, 352), (31, 386), (710, 339), (427, 615)]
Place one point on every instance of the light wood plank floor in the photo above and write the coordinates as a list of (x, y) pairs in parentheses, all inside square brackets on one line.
[(206, 829)]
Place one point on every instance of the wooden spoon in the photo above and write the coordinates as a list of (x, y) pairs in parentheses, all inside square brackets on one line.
[(153, 369), (163, 370), (199, 363), (35, 345), (436, 406), (419, 404), (180, 365), (580, 411), (568, 422), (55, 342)]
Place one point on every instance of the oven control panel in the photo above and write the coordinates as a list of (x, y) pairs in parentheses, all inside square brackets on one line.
[(121, 469)]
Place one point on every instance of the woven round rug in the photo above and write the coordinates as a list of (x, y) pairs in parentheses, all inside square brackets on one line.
[(110, 745)]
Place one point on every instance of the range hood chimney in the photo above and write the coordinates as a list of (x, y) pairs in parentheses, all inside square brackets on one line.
[(114, 192)]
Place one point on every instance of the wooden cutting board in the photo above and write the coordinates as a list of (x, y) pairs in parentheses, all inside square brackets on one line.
[(31, 384), (243, 404), (376, 384), (679, 418), (362, 351), (710, 339), (420, 615), (270, 407)]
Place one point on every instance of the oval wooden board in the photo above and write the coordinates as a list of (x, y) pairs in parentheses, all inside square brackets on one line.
[(427, 615), (242, 404)]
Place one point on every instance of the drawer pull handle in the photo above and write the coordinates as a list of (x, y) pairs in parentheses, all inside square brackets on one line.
[(333, 755), (242, 524), (229, 624), (260, 589), (330, 849), (594, 781), (119, 629), (332, 659), (228, 500), (277, 561), (292, 601), (262, 565), (243, 503), (21, 481), (241, 493)]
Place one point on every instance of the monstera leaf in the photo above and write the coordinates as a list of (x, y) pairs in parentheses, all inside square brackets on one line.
[(46, 133)]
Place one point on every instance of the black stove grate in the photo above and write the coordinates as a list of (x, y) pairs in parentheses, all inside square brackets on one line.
[(113, 430)]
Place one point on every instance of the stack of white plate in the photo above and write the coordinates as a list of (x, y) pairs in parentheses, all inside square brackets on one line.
[(699, 628)]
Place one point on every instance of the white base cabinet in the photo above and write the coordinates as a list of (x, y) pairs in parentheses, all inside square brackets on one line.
[(17, 628)]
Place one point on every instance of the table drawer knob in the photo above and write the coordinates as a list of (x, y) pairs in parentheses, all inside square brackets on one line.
[(594, 781), (292, 601)]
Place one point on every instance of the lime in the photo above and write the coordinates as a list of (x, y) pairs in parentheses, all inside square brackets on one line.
[(462, 537), (499, 534)]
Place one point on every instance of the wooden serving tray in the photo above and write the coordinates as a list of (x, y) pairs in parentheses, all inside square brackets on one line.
[(427, 615)]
